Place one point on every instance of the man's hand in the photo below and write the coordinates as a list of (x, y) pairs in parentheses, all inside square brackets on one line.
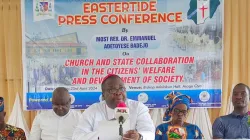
[(131, 135)]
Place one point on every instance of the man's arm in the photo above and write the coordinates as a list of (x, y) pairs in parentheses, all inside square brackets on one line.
[(84, 129), (35, 133), (218, 129), (144, 124)]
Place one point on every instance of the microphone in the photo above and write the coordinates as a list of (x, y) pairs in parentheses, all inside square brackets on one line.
[(121, 112)]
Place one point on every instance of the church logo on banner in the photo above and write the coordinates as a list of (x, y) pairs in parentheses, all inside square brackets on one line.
[(200, 10), (43, 9)]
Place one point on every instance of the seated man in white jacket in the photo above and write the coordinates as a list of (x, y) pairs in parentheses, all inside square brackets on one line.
[(56, 124), (114, 91)]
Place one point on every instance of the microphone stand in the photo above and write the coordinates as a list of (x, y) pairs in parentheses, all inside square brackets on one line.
[(121, 130), (121, 119)]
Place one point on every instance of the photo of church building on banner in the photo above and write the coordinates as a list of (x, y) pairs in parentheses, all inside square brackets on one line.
[(43, 57)]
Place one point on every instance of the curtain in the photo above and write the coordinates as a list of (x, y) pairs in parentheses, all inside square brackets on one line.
[(11, 55), (236, 61), (16, 117)]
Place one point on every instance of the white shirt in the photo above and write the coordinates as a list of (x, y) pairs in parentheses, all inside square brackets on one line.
[(49, 126), (139, 117)]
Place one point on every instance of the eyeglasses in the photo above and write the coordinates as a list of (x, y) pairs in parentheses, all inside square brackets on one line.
[(177, 111), (114, 90)]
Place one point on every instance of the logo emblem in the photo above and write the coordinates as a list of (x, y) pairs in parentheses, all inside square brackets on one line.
[(204, 96), (200, 10), (143, 97), (43, 9), (72, 98)]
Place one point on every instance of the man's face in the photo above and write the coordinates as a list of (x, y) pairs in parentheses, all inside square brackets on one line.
[(114, 91), (61, 105), (240, 97)]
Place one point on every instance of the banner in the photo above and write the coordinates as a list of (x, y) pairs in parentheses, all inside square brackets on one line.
[(155, 46)]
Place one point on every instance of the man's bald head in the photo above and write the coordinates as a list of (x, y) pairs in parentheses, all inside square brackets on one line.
[(60, 92), (61, 101), (240, 97)]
